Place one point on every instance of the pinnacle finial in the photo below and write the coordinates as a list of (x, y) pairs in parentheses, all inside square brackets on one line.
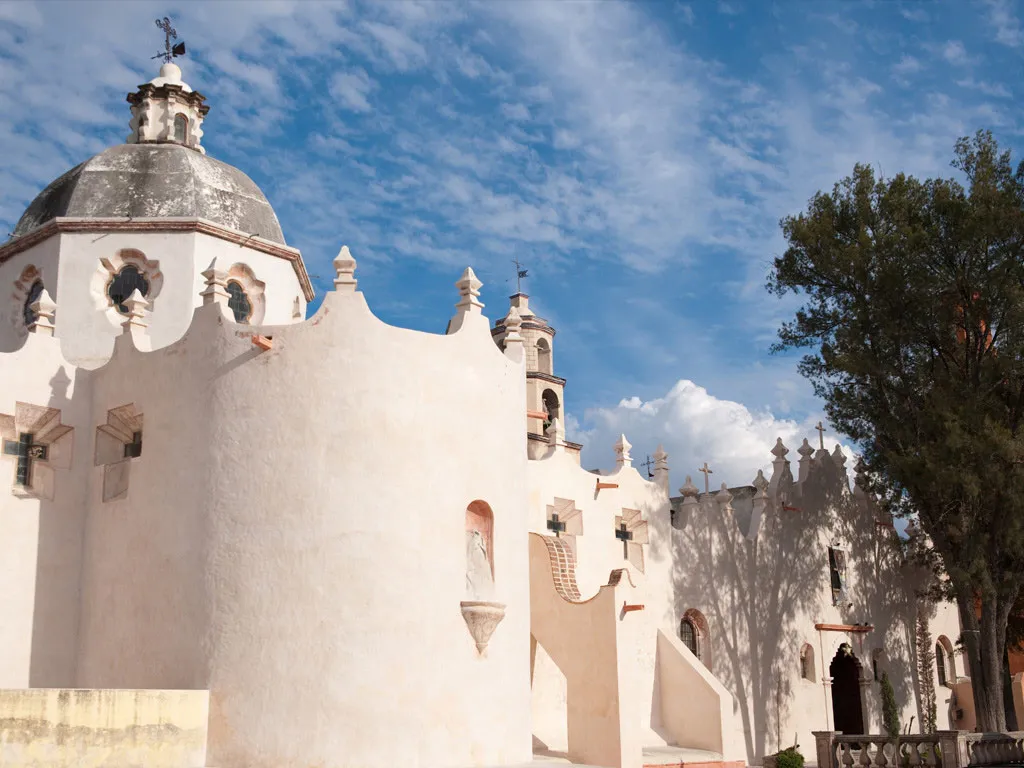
[(780, 450), (137, 306), (622, 457), (345, 271), (44, 309), (469, 292), (689, 490)]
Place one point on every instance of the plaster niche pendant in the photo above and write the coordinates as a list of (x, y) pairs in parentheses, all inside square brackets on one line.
[(482, 618)]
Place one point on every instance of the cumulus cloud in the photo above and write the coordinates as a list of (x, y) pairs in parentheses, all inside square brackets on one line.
[(694, 426)]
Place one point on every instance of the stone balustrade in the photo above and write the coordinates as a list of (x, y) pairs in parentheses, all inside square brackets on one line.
[(942, 749)]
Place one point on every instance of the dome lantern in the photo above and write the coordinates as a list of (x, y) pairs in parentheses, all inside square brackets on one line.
[(167, 111)]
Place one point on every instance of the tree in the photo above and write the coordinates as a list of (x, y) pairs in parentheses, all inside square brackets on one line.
[(890, 712), (913, 316), (925, 665)]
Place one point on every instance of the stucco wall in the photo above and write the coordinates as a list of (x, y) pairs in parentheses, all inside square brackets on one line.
[(293, 539), (764, 588), (41, 541), (58, 728)]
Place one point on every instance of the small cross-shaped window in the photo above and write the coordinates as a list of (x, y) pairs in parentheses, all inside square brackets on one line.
[(625, 536), (556, 525), (133, 449), (27, 452)]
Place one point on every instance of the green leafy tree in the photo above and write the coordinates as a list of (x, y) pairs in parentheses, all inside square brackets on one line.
[(890, 712), (913, 318)]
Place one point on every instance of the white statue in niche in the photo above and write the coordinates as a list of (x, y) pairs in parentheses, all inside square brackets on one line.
[(479, 577)]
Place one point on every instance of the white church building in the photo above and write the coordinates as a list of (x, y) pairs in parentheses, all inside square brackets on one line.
[(237, 537)]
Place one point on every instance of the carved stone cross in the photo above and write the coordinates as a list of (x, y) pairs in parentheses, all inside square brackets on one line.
[(707, 471), (821, 435)]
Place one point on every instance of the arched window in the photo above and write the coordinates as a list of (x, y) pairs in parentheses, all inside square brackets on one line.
[(543, 356), (125, 282), (31, 298), (688, 634), (239, 302), (944, 664), (181, 128), (550, 400), (807, 671)]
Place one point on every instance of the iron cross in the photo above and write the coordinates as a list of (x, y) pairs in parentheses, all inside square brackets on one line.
[(821, 435), (707, 471), (170, 33), (27, 451), (649, 463), (520, 274)]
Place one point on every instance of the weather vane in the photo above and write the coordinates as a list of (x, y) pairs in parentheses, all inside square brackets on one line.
[(170, 33), (520, 274)]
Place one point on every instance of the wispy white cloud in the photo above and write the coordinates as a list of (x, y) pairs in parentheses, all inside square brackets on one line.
[(352, 88), (1005, 23)]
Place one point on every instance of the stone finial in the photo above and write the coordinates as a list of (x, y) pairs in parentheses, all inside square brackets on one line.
[(469, 292), (760, 482), (622, 457), (344, 271), (689, 490), (661, 469), (724, 499), (556, 434), (758, 507), (779, 451), (513, 339), (806, 452), (216, 291), (839, 457), (660, 458), (297, 309), (45, 309), (137, 306)]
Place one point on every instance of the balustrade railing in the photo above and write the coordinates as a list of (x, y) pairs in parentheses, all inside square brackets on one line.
[(942, 749)]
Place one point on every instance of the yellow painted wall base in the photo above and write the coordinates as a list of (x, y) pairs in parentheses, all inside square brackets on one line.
[(83, 728)]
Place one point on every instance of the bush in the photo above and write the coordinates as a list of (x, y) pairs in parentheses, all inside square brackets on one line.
[(890, 712), (789, 758)]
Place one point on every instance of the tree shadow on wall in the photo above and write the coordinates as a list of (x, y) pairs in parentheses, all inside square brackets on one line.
[(763, 584)]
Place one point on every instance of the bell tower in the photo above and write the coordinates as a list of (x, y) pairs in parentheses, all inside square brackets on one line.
[(545, 392)]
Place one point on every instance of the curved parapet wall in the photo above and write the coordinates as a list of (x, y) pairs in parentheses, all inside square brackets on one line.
[(297, 541)]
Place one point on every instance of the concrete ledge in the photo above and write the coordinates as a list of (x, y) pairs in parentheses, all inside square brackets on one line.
[(61, 728)]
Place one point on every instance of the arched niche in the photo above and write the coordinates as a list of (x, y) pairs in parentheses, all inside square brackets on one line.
[(808, 669), (479, 551)]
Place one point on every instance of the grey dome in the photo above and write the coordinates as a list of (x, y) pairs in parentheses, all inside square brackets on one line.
[(154, 181)]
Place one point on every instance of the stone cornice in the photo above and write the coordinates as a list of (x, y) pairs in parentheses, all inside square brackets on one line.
[(544, 439), (198, 226), (545, 377)]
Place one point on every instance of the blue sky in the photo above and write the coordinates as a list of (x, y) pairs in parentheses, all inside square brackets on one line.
[(635, 156)]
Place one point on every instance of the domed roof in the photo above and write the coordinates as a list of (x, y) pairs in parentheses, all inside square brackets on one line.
[(155, 181)]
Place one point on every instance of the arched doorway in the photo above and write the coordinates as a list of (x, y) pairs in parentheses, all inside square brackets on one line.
[(847, 712)]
